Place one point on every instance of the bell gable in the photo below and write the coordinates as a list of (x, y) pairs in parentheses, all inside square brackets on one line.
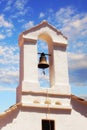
[(44, 31)]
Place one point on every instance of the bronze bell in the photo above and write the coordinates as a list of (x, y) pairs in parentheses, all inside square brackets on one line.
[(42, 61)]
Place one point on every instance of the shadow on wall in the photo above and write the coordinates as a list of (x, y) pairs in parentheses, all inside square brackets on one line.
[(79, 105), (47, 110), (8, 117)]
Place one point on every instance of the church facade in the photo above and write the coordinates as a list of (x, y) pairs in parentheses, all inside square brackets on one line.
[(37, 108)]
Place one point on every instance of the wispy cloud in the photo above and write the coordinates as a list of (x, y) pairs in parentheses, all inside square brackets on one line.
[(42, 46), (78, 69), (6, 28), (7, 89), (4, 23), (8, 5), (9, 55), (28, 25), (2, 36), (17, 7), (72, 23), (17, 4), (9, 76), (41, 15), (77, 61), (20, 4), (9, 64)]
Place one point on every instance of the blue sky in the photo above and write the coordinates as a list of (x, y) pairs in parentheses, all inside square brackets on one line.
[(68, 16)]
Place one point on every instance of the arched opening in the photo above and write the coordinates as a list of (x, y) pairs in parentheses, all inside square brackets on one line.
[(45, 43), (43, 74)]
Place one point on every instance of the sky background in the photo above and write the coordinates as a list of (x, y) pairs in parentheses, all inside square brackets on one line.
[(68, 16)]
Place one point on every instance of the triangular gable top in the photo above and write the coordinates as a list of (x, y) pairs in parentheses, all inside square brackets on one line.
[(43, 29)]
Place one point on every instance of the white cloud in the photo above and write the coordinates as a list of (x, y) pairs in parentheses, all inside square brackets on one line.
[(2, 36), (8, 5), (7, 89), (78, 69), (4, 23), (28, 25), (9, 64), (77, 61), (17, 7), (6, 28), (9, 75), (76, 27), (9, 32), (9, 2), (42, 46), (9, 55), (8, 8), (41, 15), (19, 4), (72, 23), (21, 20)]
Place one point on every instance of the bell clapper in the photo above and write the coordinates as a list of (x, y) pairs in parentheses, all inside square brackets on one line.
[(43, 71)]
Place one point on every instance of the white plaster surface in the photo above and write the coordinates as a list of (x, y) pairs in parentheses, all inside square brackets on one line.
[(56, 38), (30, 118), (58, 70)]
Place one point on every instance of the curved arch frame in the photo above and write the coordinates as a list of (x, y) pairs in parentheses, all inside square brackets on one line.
[(46, 37)]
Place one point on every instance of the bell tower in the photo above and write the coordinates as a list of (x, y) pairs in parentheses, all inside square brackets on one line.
[(29, 92)]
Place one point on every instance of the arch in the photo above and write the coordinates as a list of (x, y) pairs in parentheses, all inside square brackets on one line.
[(43, 74), (47, 38)]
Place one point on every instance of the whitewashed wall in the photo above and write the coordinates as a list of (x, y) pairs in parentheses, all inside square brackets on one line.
[(30, 118)]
